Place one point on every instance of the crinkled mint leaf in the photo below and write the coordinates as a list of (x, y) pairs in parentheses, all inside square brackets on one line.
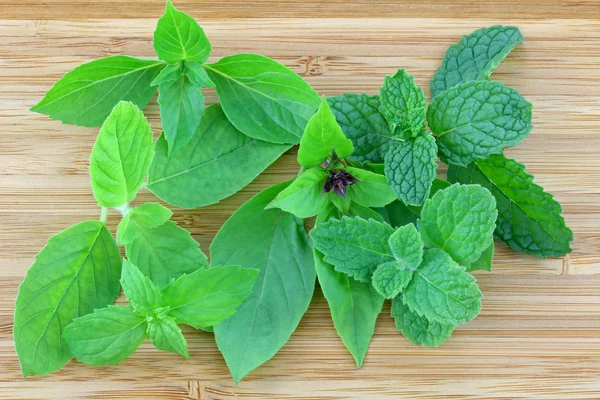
[(372, 190), (148, 215), (354, 246), (197, 75), (403, 105), (484, 262), (529, 219), (391, 278), (407, 246), (418, 329), (410, 168), (121, 156), (304, 197), (87, 95), (442, 291), (144, 296), (477, 119), (166, 335), (459, 220), (475, 57), (170, 73)]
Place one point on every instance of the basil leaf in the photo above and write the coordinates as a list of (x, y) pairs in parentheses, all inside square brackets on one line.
[(304, 197), (143, 295), (372, 190), (529, 219), (166, 335), (86, 95), (419, 329), (477, 119), (321, 137), (148, 215), (107, 336), (76, 272), (391, 278), (170, 73), (363, 124), (219, 156), (475, 57), (484, 262), (121, 156), (407, 246), (403, 105), (181, 108), (196, 74), (276, 243), (263, 98), (179, 37)]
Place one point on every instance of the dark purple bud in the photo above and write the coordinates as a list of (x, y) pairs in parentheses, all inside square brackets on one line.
[(337, 181)]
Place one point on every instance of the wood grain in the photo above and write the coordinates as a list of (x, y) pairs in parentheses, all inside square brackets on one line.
[(538, 336)]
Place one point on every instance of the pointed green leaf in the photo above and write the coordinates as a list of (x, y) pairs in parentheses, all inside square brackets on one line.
[(304, 197), (166, 335), (403, 105), (148, 216), (143, 295), (484, 262), (197, 75), (419, 329), (170, 73), (391, 278), (407, 246), (372, 190)]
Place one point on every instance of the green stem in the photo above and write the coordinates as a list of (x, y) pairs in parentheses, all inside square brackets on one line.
[(103, 215)]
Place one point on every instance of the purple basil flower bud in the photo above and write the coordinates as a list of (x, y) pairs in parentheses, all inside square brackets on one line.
[(337, 181)]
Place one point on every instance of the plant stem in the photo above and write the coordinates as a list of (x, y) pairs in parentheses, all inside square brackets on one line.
[(124, 209), (103, 215)]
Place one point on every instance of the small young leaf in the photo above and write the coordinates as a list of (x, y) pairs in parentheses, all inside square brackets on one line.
[(410, 168), (529, 219), (87, 95), (121, 156), (354, 210), (407, 246), (107, 336), (477, 119), (354, 246), (475, 57), (372, 190), (442, 291), (403, 105), (321, 137), (391, 278), (263, 98), (197, 75), (419, 329), (459, 220), (148, 216), (304, 197), (179, 37), (144, 296), (170, 73), (166, 335), (484, 262)]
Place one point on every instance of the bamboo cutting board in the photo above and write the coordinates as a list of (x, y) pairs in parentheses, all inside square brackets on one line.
[(538, 335)]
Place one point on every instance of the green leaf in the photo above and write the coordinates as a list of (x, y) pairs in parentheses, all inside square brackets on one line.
[(165, 253), (442, 291), (276, 243), (179, 37), (484, 262), (355, 246), (170, 73), (304, 197), (107, 336), (354, 307), (87, 95), (529, 219), (208, 296), (410, 168), (76, 272), (419, 329), (197, 75), (144, 296), (372, 190), (407, 246), (218, 156), (263, 98), (403, 105), (459, 220), (166, 335), (391, 278), (181, 109), (354, 210), (321, 137), (363, 124), (121, 156), (148, 216), (475, 57), (477, 119)]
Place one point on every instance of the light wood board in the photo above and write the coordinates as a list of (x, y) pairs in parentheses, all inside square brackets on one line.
[(538, 335)]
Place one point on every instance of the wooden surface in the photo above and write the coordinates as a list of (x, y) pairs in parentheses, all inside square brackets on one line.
[(538, 335)]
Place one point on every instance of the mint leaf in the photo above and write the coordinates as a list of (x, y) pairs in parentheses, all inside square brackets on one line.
[(179, 37), (170, 73), (208, 296), (475, 57), (121, 156), (484, 262), (354, 246), (87, 95), (529, 219), (218, 155), (403, 105), (304, 197), (442, 291), (407, 246), (181, 108), (391, 278), (363, 124), (107, 336), (76, 272), (166, 335), (197, 75), (165, 253), (410, 168), (143, 295), (419, 329), (321, 137), (459, 220), (372, 190), (148, 215), (263, 98), (477, 119)]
